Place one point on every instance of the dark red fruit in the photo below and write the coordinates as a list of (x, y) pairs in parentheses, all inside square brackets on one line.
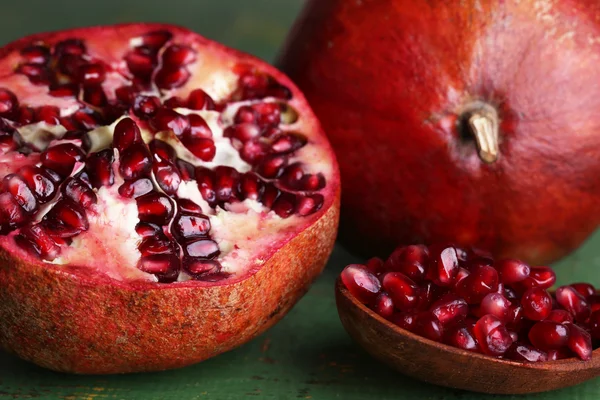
[(403, 291), (384, 305), (444, 266), (572, 301), (478, 284), (536, 303), (135, 162), (548, 335), (512, 271), (461, 336), (492, 336), (427, 325), (412, 261), (450, 309), (361, 283), (580, 342), (126, 134), (62, 158)]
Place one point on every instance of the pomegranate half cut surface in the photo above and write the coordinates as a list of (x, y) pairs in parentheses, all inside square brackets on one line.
[(164, 198)]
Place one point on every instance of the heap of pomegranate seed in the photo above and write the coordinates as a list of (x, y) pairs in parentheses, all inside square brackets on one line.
[(467, 300)]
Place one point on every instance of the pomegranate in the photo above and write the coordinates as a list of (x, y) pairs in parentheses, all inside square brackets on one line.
[(140, 230), (471, 122), (482, 308)]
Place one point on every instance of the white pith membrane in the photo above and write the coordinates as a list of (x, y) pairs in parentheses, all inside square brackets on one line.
[(242, 230)]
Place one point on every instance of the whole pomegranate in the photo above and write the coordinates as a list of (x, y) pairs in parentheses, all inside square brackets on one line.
[(472, 122), (163, 199)]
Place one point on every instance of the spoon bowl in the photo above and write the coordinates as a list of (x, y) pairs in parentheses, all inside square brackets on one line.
[(444, 365)]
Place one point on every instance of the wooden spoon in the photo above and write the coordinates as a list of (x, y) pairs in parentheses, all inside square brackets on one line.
[(445, 365)]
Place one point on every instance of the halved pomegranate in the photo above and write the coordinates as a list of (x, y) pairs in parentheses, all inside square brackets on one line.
[(164, 198)]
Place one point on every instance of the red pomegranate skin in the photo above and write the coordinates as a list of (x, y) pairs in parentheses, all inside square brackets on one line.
[(390, 81)]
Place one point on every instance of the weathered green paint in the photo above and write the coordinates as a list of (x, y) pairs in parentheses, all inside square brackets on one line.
[(307, 355)]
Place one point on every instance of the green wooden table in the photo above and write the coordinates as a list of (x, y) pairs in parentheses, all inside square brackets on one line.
[(308, 355)]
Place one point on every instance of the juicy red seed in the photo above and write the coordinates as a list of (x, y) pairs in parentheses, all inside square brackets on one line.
[(525, 353), (200, 268), (146, 107), (272, 166), (306, 205), (167, 78), (361, 283), (43, 184), (78, 191), (243, 132), (492, 336), (125, 94), (167, 176), (269, 114), (203, 248), (126, 133), (560, 316), (135, 189), (141, 63), (70, 64), (410, 260), (158, 244), (37, 74), (11, 213), (253, 151), (199, 100), (405, 320), (70, 46), (226, 180), (62, 158), (403, 291), (594, 301), (35, 240), (515, 317), (250, 187), (543, 277), (70, 214), (146, 230), (48, 114), (594, 324), (496, 305), (512, 271), (270, 195), (154, 208), (94, 95), (162, 150), (548, 335), (444, 266), (292, 176), (188, 226), (428, 326), (9, 105), (92, 74), (288, 143), (188, 206), (450, 309), (584, 289), (536, 303), (428, 294), (580, 342), (560, 354), (198, 127), (87, 118), (174, 102), (178, 55), (573, 302), (99, 168), (20, 191), (461, 336), (170, 120), (245, 114), (280, 92), (384, 305), (36, 54), (285, 205), (156, 39), (202, 148), (135, 162), (478, 284), (312, 182), (206, 184), (165, 267)]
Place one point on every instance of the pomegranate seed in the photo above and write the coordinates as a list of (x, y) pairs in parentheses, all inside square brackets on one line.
[(11, 213), (594, 324), (64, 90), (361, 283), (292, 176), (492, 336), (496, 305), (594, 301), (165, 267), (186, 170), (269, 114), (92, 74), (202, 148), (560, 316), (461, 274), (580, 342), (403, 291), (162, 150), (478, 284), (70, 214), (560, 354), (48, 114), (155, 208), (461, 336), (428, 326), (70, 64), (156, 39), (288, 143), (306, 205), (548, 335), (537, 304), (515, 317), (512, 271), (78, 191), (280, 92), (525, 353), (177, 55), (20, 191), (199, 100), (135, 189), (99, 168), (428, 294), (35, 240), (62, 158), (410, 260), (146, 107), (285, 205), (443, 266), (146, 230), (135, 162), (200, 268), (272, 166), (203, 248), (70, 46), (573, 302), (226, 179), (37, 74), (270, 195), (450, 309), (36, 54), (43, 182), (141, 63), (126, 133), (584, 289), (405, 320), (174, 102), (543, 277), (125, 94), (9, 105), (250, 187), (205, 179), (167, 176), (245, 114), (384, 305), (158, 244), (253, 151), (188, 226), (170, 120), (198, 127), (167, 78), (243, 132), (94, 95), (188, 206)]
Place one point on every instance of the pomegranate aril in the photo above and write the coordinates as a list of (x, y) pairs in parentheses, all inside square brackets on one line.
[(9, 105), (171, 78), (450, 309), (70, 64), (94, 95), (42, 182), (48, 114), (272, 166), (37, 74), (100, 169), (560, 316), (165, 267), (35, 240), (126, 134), (492, 336), (155, 208), (443, 265), (512, 271), (158, 244), (169, 120), (584, 289), (135, 189), (548, 335), (496, 305), (580, 342), (405, 320), (141, 63), (87, 119), (285, 205), (384, 305), (250, 187), (92, 74), (428, 326), (594, 325), (202, 248), (156, 39), (146, 230), (536, 303), (226, 180), (70, 46), (62, 158), (199, 100), (361, 283), (279, 92), (428, 294), (12, 214), (306, 205), (135, 162), (410, 260), (64, 90), (288, 143), (202, 148), (243, 132), (200, 268), (594, 301), (162, 150), (403, 291), (525, 353), (20, 191), (543, 277), (245, 114), (268, 114), (206, 184), (125, 95), (461, 336), (188, 206), (36, 54), (253, 151), (312, 182), (198, 127), (572, 301), (515, 317), (177, 55), (69, 213), (146, 107), (478, 284), (78, 191), (191, 226), (167, 176)]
